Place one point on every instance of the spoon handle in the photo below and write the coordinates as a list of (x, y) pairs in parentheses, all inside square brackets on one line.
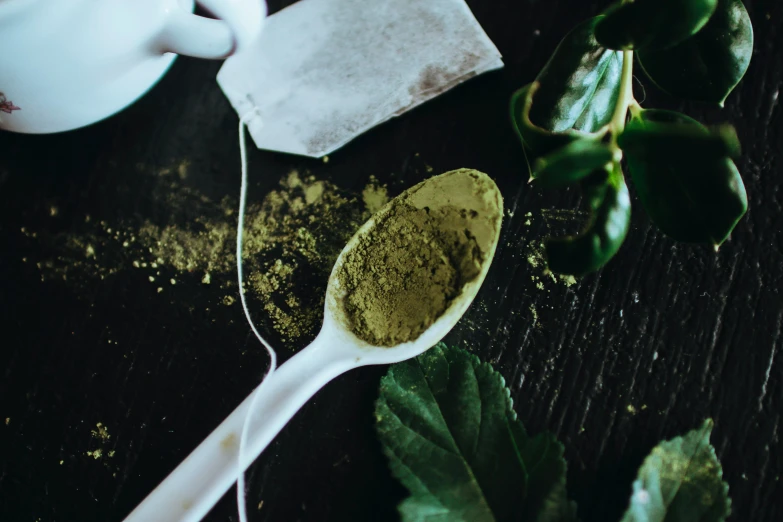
[(195, 486)]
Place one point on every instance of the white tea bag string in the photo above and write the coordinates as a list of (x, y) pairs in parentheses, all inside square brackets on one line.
[(241, 503)]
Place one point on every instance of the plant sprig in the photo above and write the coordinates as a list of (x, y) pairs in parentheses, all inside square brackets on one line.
[(581, 119)]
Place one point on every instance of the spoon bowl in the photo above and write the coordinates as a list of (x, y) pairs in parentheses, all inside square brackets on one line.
[(196, 485), (464, 188)]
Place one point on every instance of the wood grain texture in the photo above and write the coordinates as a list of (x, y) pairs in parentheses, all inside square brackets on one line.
[(664, 336)]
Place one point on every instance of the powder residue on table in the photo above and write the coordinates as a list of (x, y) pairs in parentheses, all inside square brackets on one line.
[(101, 432), (402, 275), (292, 238), (534, 249), (291, 243), (374, 195)]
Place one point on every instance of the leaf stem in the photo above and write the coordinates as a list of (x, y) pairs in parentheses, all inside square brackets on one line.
[(635, 108), (617, 125), (625, 99)]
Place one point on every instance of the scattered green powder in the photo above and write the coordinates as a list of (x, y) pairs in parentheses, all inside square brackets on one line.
[(95, 454), (567, 280), (101, 432), (291, 244), (554, 216), (187, 250), (375, 196), (292, 238), (536, 258), (403, 273)]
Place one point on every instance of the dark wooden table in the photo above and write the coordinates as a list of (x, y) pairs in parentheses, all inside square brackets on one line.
[(663, 337)]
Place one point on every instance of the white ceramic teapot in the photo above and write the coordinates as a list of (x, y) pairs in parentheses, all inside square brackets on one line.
[(70, 63)]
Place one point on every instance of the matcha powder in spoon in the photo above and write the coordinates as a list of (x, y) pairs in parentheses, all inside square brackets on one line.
[(403, 273)]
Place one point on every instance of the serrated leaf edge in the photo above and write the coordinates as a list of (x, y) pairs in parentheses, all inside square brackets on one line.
[(475, 363), (703, 433)]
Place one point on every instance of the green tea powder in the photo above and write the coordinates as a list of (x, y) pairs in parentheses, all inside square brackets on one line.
[(403, 274)]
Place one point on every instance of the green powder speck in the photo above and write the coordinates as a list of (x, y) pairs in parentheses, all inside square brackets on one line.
[(374, 195)]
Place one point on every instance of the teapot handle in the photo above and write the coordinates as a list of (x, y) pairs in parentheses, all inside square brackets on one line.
[(239, 23)]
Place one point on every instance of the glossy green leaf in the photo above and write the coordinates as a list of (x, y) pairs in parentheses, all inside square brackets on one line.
[(573, 96), (681, 481), (537, 139), (664, 116), (571, 163), (653, 24), (580, 83), (680, 140), (691, 192), (446, 424), (605, 233), (707, 66), (594, 188)]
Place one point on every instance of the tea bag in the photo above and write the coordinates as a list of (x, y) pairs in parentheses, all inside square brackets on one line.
[(325, 71)]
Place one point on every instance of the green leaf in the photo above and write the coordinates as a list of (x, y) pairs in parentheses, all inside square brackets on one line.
[(605, 232), (664, 116), (546, 499), (535, 138), (681, 481), (573, 96), (594, 188), (679, 139), (689, 186), (653, 24), (571, 163), (580, 83), (707, 66), (446, 424)]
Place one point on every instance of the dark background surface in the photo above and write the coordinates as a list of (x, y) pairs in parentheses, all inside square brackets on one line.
[(666, 335)]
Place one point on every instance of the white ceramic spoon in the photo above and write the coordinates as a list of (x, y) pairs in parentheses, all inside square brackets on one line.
[(195, 486)]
